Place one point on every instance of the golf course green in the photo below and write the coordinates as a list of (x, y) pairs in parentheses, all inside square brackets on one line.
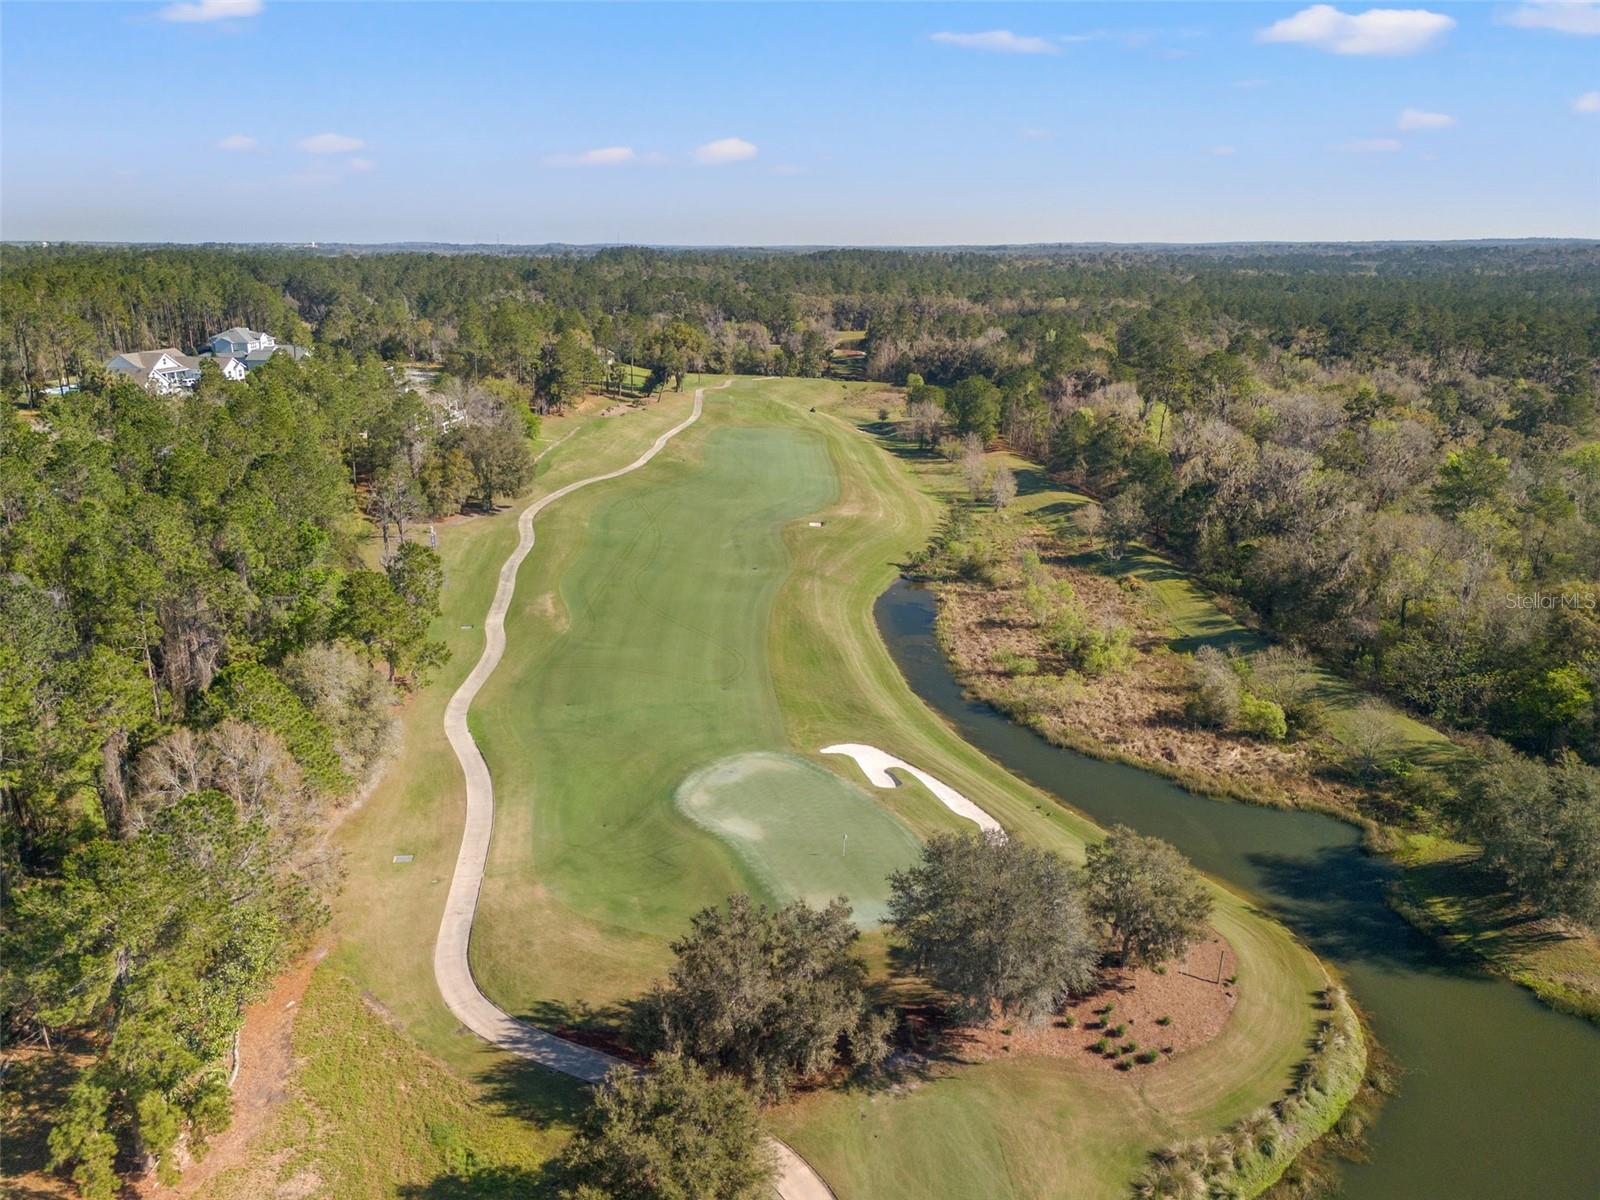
[(682, 642), (804, 832)]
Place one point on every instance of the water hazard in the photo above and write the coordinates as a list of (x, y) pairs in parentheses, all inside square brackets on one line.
[(1500, 1097)]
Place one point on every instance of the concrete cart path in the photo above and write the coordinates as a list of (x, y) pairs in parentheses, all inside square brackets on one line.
[(451, 968)]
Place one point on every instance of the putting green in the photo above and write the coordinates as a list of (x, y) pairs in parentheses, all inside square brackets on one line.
[(806, 833)]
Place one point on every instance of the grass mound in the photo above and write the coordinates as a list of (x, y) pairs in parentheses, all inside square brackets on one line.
[(808, 834)]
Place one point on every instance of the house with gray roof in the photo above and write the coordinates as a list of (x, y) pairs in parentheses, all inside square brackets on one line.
[(241, 342), (250, 348)]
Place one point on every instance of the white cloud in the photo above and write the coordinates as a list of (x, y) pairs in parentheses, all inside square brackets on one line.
[(601, 156), (1589, 102), (191, 11), (999, 41), (1376, 31), (1416, 118), (1581, 17), (1369, 146), (1223, 151), (724, 150), (237, 141), (361, 164), (330, 143)]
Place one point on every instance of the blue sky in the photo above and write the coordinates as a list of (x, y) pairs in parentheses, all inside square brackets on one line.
[(262, 120)]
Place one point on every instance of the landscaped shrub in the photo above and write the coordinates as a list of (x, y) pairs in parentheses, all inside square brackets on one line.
[(1164, 1020), (1145, 1056), (1117, 1030), (1262, 718), (1101, 1046)]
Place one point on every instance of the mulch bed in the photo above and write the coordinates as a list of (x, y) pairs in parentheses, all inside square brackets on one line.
[(1193, 993)]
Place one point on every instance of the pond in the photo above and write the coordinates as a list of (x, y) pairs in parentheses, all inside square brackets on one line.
[(1499, 1096)]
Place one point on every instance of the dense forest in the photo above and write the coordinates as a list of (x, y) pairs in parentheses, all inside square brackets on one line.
[(1386, 454), (202, 659)]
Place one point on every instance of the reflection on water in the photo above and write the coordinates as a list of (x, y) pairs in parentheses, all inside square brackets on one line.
[(1500, 1098)]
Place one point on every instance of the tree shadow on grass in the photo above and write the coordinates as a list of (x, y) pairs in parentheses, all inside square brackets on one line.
[(488, 1183), (528, 1092)]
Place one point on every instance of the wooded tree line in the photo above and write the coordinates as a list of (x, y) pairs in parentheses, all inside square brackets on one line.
[(1499, 310), (198, 666)]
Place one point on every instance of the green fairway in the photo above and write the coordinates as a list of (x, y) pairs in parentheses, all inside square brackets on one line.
[(805, 833), (688, 615)]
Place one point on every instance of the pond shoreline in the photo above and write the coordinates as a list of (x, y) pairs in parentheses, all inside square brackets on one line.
[(1379, 840), (1478, 1057)]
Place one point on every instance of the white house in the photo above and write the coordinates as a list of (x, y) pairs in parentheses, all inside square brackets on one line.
[(236, 352), (241, 342), (161, 371)]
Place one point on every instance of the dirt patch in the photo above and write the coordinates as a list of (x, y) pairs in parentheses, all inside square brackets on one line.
[(266, 1057), (1193, 996), (551, 609), (1135, 713)]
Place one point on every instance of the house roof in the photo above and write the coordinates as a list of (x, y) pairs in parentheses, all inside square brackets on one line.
[(239, 333), (256, 357), (146, 360)]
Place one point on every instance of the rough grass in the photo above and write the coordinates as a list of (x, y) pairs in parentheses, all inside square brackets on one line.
[(1022, 1128), (1441, 891), (388, 914), (370, 1114)]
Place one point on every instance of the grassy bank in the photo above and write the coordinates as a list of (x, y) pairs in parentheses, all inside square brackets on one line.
[(495, 1114)]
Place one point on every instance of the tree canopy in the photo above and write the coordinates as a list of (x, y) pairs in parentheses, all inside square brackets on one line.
[(994, 922), (767, 994), (1153, 904), (677, 1132)]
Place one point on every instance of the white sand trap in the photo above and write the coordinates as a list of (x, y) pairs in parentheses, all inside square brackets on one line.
[(876, 764)]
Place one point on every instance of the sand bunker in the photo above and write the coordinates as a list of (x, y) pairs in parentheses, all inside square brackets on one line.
[(876, 765)]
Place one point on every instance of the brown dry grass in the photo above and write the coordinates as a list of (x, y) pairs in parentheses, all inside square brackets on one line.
[(1135, 714)]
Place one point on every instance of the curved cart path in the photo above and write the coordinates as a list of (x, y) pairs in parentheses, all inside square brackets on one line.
[(451, 968)]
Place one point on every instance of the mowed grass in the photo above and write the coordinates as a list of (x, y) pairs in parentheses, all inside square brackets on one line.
[(642, 631), (562, 935), (368, 1075), (803, 831), (388, 914)]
